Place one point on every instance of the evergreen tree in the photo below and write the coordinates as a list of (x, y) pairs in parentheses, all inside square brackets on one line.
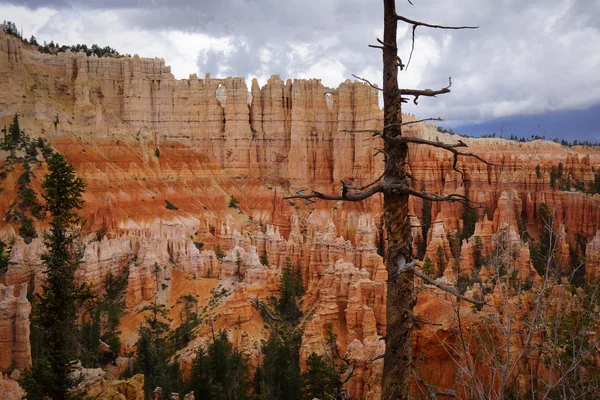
[(56, 307), (154, 352), (221, 373), (541, 252), (469, 218), (4, 256), (264, 259), (441, 259), (320, 380), (15, 131), (281, 367), (290, 290)]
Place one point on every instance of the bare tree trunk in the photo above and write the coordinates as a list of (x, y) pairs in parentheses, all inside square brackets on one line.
[(400, 298)]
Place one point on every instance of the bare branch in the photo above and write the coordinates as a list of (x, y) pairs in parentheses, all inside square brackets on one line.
[(426, 92), (412, 49), (446, 289), (421, 321), (433, 393), (344, 196), (418, 23), (451, 198), (363, 187), (385, 44), (367, 81), (260, 305), (404, 267), (451, 147), (378, 132)]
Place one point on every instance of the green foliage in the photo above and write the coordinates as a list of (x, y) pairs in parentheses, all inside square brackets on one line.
[(469, 218), (5, 250), (542, 251), (444, 130), (188, 318), (455, 241), (233, 202), (55, 48), (291, 290), (157, 152), (280, 367), (559, 171), (199, 245), (13, 135), (321, 380), (553, 175), (55, 309), (463, 283), (101, 233), (27, 230), (170, 206), (570, 334), (477, 255), (441, 259), (219, 252), (10, 28), (538, 171), (428, 267), (264, 259), (220, 372), (27, 197), (154, 352)]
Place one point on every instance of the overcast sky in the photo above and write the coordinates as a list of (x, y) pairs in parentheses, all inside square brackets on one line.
[(529, 62)]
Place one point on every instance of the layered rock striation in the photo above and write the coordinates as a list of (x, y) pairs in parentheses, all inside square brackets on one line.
[(186, 182)]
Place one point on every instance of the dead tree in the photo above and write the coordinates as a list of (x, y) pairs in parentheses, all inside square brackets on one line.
[(396, 191)]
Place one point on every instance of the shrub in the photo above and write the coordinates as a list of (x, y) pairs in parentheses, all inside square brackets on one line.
[(233, 202), (27, 230), (219, 252), (170, 206)]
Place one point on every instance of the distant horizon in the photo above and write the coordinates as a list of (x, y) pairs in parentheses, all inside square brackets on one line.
[(550, 125)]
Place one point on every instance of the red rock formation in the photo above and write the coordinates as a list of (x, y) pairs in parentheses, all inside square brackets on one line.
[(219, 139)]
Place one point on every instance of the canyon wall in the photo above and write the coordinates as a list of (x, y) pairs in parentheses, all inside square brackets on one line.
[(164, 158)]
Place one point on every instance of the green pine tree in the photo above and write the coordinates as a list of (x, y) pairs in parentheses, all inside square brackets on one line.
[(221, 373), (55, 309)]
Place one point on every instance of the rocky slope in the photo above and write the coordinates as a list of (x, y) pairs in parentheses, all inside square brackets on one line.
[(162, 158)]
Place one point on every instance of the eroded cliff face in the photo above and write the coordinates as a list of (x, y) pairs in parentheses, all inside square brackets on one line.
[(219, 139)]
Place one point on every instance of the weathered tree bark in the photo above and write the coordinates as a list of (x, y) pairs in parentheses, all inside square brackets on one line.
[(397, 370), (400, 297)]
